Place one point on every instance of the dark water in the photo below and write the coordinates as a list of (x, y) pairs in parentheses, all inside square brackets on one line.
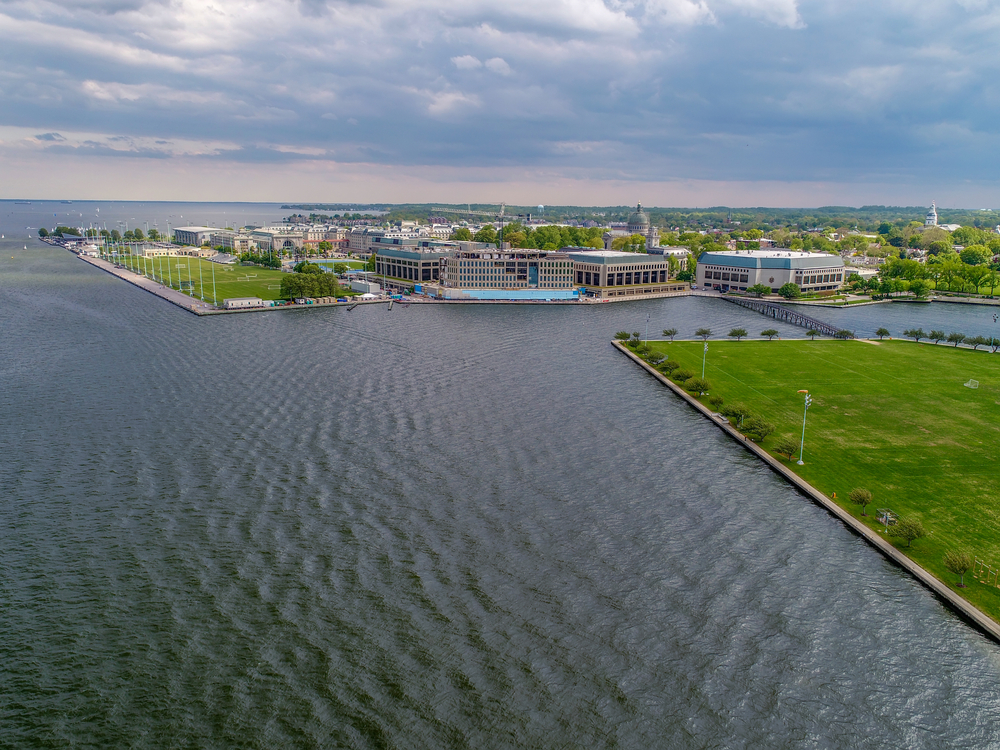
[(439, 526)]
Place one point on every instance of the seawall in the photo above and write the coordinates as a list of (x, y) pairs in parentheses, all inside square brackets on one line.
[(960, 606)]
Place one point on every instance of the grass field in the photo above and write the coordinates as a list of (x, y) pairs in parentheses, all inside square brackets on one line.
[(894, 418), (230, 281)]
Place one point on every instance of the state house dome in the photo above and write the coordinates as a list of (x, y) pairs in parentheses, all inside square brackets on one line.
[(638, 222)]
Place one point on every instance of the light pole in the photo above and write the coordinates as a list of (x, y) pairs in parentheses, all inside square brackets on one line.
[(647, 330), (215, 300), (704, 356), (805, 409)]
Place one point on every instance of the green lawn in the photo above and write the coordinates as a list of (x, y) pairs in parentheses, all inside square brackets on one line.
[(894, 418), (230, 281)]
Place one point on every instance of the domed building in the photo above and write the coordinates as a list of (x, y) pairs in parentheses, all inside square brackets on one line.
[(932, 217), (638, 223)]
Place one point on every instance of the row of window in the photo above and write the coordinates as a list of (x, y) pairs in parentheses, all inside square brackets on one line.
[(740, 278), (622, 279), (825, 278)]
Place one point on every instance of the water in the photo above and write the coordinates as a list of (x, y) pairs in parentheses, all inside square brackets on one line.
[(439, 526)]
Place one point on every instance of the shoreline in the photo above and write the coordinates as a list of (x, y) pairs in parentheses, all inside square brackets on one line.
[(965, 610)]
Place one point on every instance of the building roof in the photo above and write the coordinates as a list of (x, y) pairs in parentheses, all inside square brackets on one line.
[(770, 259), (587, 255), (196, 229)]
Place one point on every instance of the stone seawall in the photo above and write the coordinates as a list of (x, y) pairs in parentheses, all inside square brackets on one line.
[(963, 608)]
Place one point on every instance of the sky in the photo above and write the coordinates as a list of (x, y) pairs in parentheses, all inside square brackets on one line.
[(585, 102)]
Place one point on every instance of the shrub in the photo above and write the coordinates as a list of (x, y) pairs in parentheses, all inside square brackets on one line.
[(716, 402), (668, 366), (786, 445), (909, 529), (756, 427), (736, 412), (682, 375), (697, 385)]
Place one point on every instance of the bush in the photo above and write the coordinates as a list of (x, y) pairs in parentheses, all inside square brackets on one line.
[(668, 366), (697, 385), (682, 376), (790, 290), (756, 427), (909, 529), (737, 412), (786, 445), (716, 402)]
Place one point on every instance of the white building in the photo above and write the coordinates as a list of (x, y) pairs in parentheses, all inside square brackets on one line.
[(932, 217), (196, 236), (243, 303), (736, 270)]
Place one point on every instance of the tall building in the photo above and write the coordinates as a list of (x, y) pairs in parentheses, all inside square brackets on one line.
[(932, 219)]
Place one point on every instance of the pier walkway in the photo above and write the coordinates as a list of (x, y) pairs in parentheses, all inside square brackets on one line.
[(785, 315)]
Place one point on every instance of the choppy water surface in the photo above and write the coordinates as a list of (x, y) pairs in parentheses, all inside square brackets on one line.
[(439, 526)]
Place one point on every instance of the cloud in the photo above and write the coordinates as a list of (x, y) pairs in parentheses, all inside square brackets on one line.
[(498, 65), (613, 90), (466, 62)]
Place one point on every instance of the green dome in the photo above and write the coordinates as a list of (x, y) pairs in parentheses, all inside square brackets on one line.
[(638, 218)]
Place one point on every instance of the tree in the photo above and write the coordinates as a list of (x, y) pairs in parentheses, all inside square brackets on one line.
[(756, 427), (786, 446), (843, 333), (370, 263), (937, 336), (994, 344), (340, 268), (486, 234), (769, 332), (716, 402), (306, 267), (670, 333), (139, 236), (116, 235), (738, 333), (43, 232), (909, 529), (958, 562), (976, 341), (759, 290), (623, 336), (919, 288), (956, 338), (861, 496), (915, 333), (668, 366), (697, 385), (704, 333), (812, 333), (737, 412), (976, 255), (790, 290), (882, 333), (296, 285), (682, 376), (462, 234)]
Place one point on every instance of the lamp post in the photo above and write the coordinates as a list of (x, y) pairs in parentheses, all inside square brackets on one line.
[(647, 328), (704, 356), (805, 409)]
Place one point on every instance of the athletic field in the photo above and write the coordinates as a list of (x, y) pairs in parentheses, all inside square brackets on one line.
[(894, 417)]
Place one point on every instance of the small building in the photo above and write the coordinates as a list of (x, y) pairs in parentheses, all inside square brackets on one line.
[(737, 271), (243, 303), (365, 287)]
